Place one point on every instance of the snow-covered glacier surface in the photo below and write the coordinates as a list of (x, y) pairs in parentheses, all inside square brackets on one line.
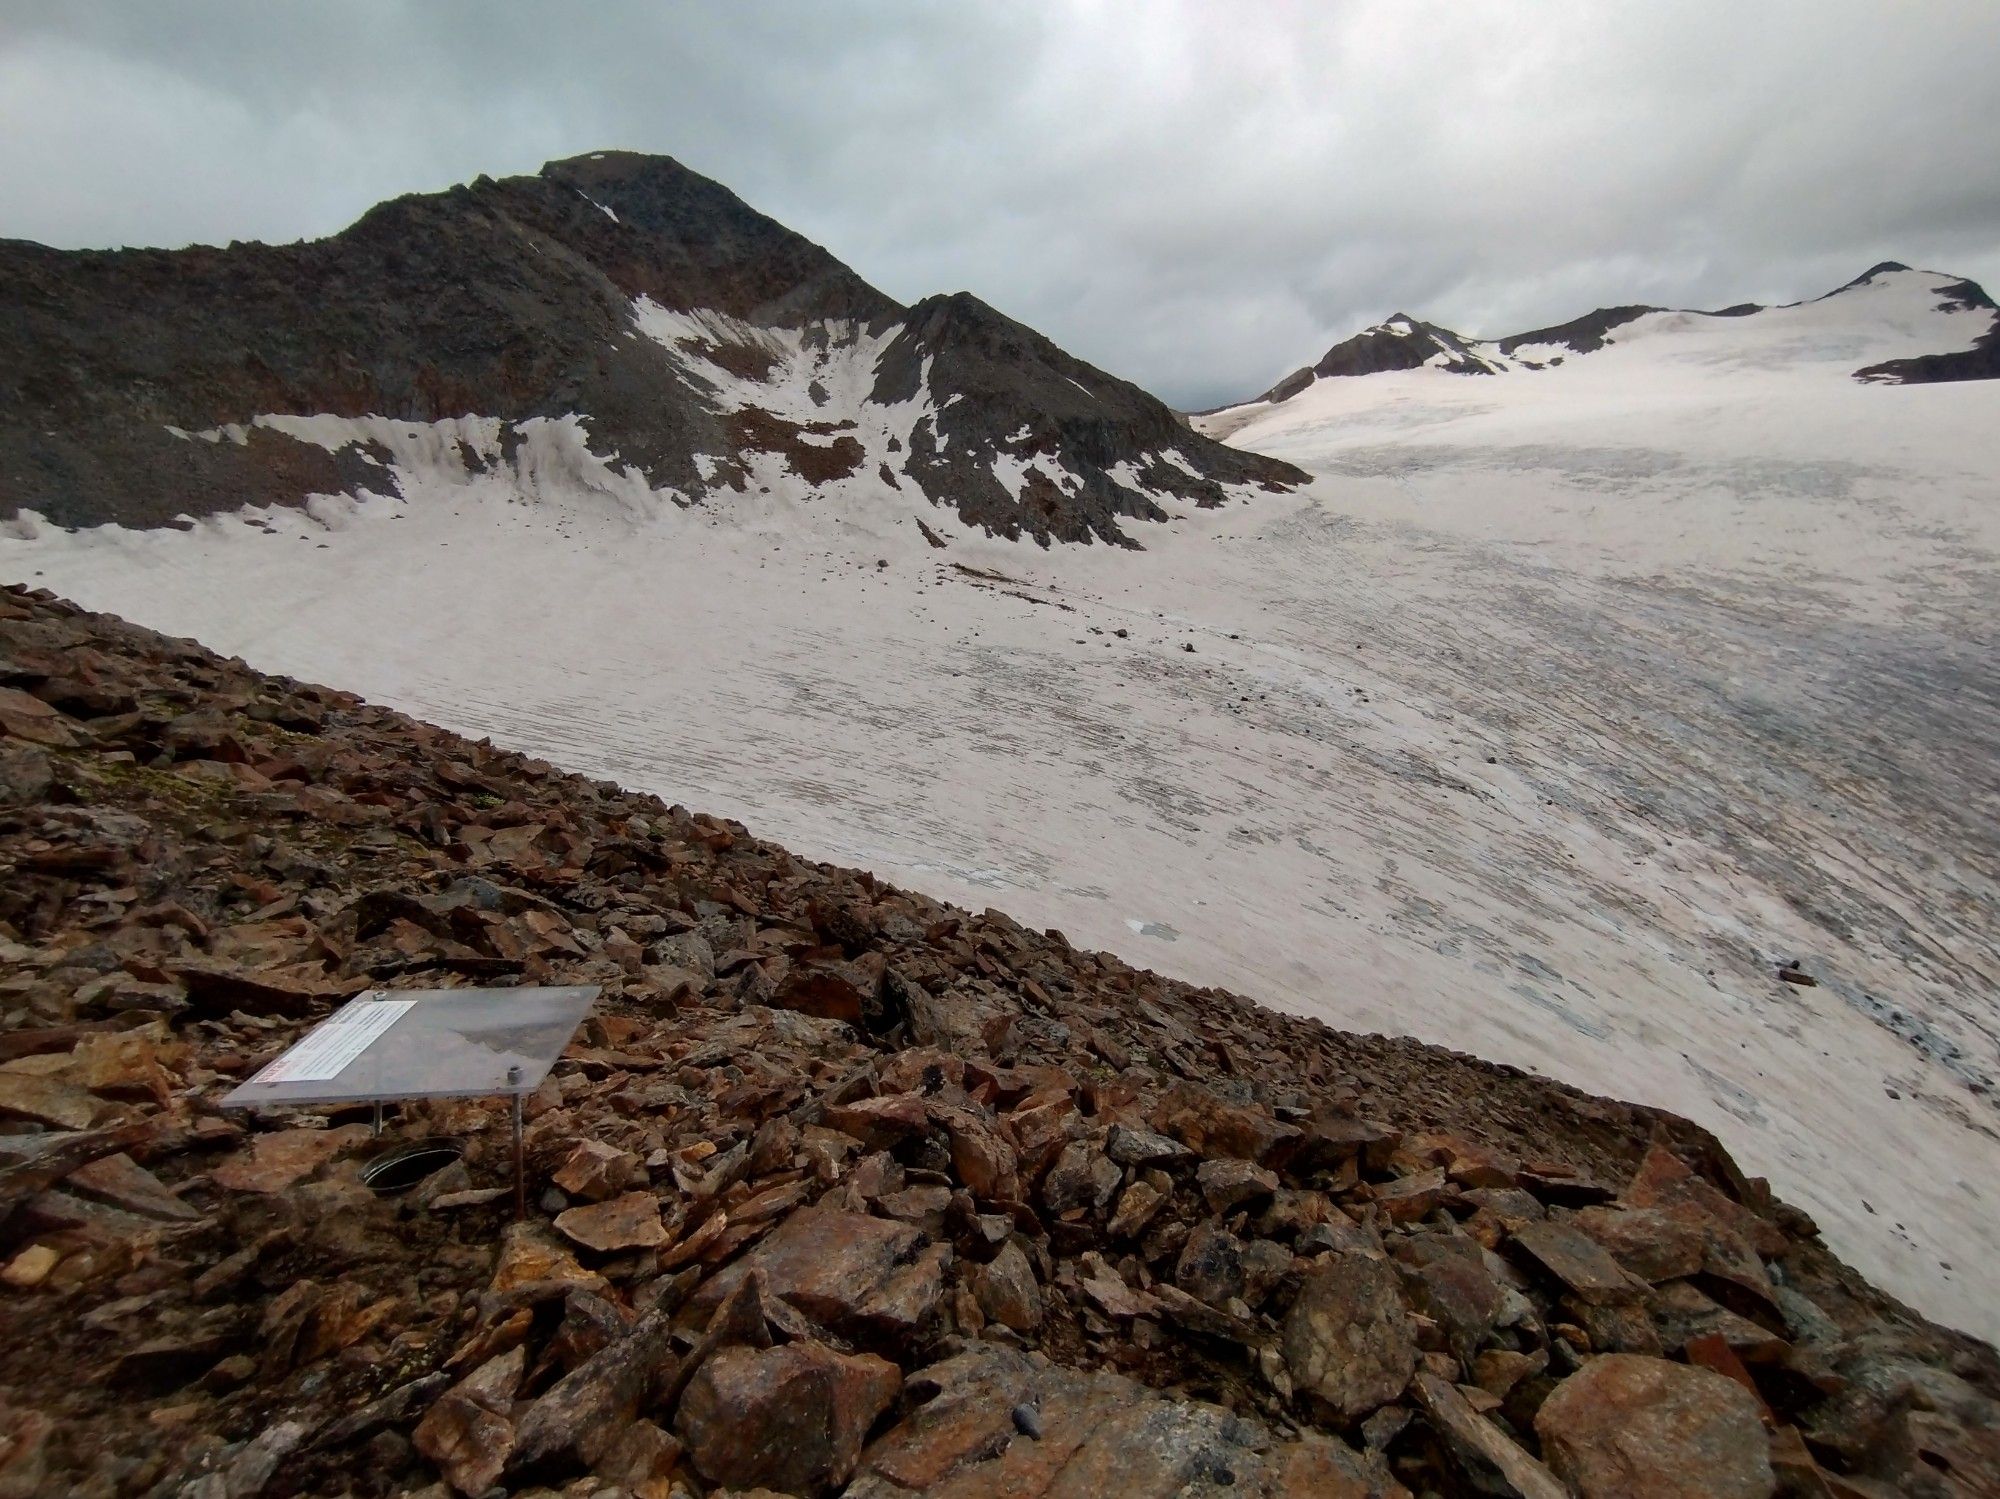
[(1554, 717)]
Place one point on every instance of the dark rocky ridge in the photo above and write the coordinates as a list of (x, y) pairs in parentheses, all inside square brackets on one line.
[(1402, 343), (1383, 347), (1584, 335), (840, 1190), (506, 299)]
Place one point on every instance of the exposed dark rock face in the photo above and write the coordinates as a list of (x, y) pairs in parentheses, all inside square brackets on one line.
[(1582, 335), (1069, 422), (1402, 343), (516, 300), (1980, 362), (1022, 1219)]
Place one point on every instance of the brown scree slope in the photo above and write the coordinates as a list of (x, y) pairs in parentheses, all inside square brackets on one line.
[(840, 1190)]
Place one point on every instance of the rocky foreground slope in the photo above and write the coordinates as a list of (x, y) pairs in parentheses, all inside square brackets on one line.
[(616, 320), (840, 1190)]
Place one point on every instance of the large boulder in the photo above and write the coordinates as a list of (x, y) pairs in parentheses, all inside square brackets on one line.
[(996, 1421), (1625, 1426), (790, 1418), (1348, 1341), (1211, 1126), (1007, 1291), (869, 1279)]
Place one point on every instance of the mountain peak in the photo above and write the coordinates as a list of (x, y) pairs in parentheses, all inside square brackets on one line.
[(606, 166), (688, 347)]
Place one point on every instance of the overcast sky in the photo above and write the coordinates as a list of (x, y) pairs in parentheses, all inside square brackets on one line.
[(1199, 196)]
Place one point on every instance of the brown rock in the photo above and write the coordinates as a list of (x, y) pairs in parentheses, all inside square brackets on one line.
[(216, 987), (791, 1418), (1130, 1146), (983, 1160), (1615, 1326), (1108, 1290), (1579, 1262), (467, 1432), (1507, 1208), (628, 1222), (922, 1206), (1209, 1126), (132, 1063), (879, 1123), (969, 1436), (1629, 1427), (277, 1160), (864, 1277), (1411, 1199), (1142, 1200), (1230, 1184), (1265, 1266), (585, 1411), (1333, 1140), (44, 1100), (1466, 1163), (595, 1171), (1682, 1313), (1211, 1264), (1449, 1283), (531, 1255), (1348, 1340), (1664, 1180), (1498, 1370), (1082, 1177), (840, 992), (1654, 1245), (124, 1183), (31, 719), (1039, 1131), (641, 1460), (30, 1267), (1007, 1290), (1684, 1236)]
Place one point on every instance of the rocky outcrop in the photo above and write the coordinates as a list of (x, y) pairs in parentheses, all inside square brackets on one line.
[(1018, 1219), (1090, 447), (1401, 343)]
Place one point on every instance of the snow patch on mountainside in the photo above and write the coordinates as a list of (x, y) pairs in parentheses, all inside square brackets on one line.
[(1890, 314), (838, 357)]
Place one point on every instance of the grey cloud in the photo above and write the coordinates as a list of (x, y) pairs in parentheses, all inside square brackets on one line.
[(1196, 195)]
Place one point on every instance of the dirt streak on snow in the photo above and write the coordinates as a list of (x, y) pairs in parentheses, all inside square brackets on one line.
[(1543, 738)]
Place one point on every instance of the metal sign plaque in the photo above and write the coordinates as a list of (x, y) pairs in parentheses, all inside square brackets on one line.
[(441, 1043)]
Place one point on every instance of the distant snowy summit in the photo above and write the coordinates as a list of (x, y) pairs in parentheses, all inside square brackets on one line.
[(1891, 325), (616, 325)]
